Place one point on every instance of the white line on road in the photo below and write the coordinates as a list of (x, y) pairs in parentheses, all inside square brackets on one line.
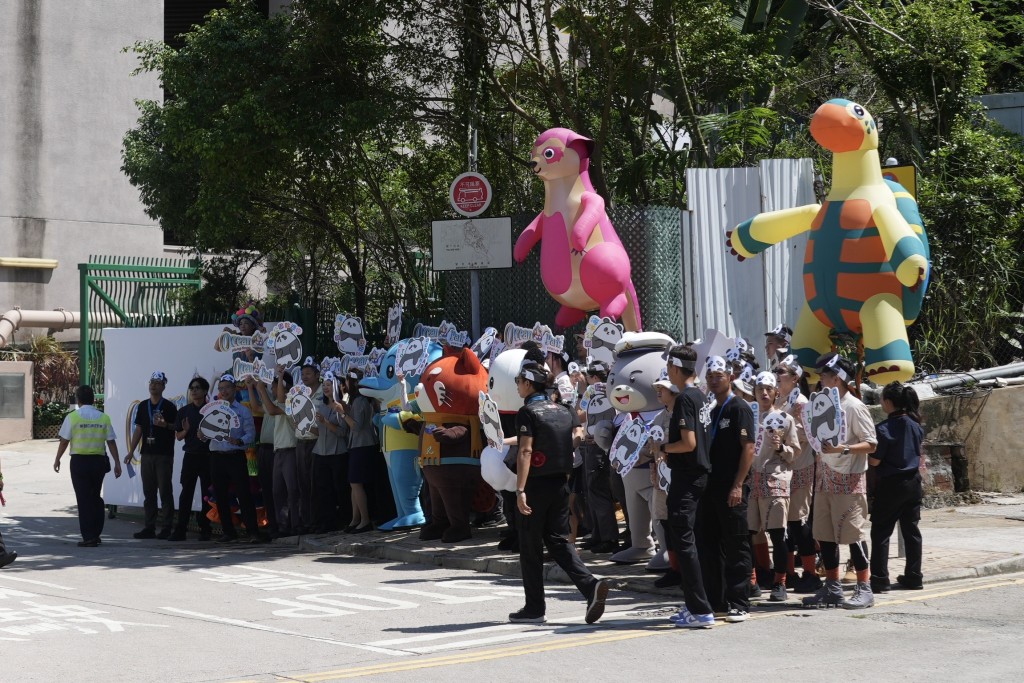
[(271, 629), (298, 575), (8, 577)]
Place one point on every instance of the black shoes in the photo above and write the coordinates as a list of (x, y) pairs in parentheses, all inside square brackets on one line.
[(909, 584), (164, 534), (226, 539), (670, 579), (604, 548), (145, 533), (595, 606), (7, 558), (178, 535), (524, 617), (91, 543), (509, 544)]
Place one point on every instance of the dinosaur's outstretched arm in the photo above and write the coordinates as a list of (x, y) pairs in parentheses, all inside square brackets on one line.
[(591, 211), (753, 236), (528, 240), (903, 247)]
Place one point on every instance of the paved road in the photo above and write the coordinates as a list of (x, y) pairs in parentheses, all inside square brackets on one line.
[(154, 611)]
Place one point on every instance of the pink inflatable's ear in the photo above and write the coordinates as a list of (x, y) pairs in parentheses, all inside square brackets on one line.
[(584, 147)]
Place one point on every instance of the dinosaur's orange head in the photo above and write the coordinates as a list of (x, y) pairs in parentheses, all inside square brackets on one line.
[(844, 126)]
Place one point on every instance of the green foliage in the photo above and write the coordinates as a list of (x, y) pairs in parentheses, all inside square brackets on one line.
[(49, 413)]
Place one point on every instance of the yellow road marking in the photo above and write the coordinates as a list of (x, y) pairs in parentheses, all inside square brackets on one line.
[(590, 639)]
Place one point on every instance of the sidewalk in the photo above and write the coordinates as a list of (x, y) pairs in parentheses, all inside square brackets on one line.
[(961, 542)]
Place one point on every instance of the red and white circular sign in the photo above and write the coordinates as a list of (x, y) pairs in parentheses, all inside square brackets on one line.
[(470, 194)]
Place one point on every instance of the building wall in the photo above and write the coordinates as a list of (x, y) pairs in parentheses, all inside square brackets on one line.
[(1007, 109), (15, 424), (69, 97)]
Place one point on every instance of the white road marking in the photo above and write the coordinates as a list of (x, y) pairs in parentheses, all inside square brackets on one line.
[(279, 631), (298, 575), (8, 577)]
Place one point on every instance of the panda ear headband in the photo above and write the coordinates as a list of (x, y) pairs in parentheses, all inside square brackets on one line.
[(833, 365), (716, 364), (790, 363)]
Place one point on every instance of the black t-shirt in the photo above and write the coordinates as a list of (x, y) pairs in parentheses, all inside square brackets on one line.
[(551, 425), (193, 444), (732, 427), (163, 443), (689, 413)]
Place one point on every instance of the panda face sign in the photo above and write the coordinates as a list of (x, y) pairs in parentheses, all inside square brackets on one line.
[(599, 409), (394, 326), (412, 355), (490, 421), (348, 333), (602, 344), (664, 476), (774, 421), (302, 412), (287, 348), (657, 433), (218, 419), (823, 419), (625, 450)]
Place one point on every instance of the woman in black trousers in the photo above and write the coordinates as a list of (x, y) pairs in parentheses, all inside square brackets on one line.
[(898, 490)]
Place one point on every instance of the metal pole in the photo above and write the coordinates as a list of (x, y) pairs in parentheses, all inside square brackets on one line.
[(83, 335), (474, 275)]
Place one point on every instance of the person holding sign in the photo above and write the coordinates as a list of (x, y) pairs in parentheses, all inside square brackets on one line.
[(89, 434), (840, 499), (195, 465), (154, 428), (548, 433), (228, 468)]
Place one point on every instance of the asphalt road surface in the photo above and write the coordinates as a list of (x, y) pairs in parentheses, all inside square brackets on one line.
[(156, 611)]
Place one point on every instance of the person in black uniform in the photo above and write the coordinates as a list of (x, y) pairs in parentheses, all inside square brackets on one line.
[(685, 451), (547, 433), (723, 541), (898, 491), (154, 428), (195, 465)]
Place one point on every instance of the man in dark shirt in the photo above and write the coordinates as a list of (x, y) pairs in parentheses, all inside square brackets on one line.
[(195, 465), (685, 450), (723, 542), (154, 428), (547, 432)]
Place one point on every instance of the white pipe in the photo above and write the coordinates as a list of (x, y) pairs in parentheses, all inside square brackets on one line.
[(58, 319)]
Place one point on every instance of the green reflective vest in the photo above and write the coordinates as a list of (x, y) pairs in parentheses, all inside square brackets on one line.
[(89, 436)]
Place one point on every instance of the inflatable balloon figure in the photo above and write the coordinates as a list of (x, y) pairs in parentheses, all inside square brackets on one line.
[(401, 449), (867, 262), (582, 262)]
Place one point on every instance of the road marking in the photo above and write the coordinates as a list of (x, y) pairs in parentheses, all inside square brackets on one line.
[(8, 577), (283, 632), (603, 636)]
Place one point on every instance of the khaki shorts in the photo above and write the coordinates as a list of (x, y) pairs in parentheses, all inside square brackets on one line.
[(840, 517), (767, 513), (800, 504)]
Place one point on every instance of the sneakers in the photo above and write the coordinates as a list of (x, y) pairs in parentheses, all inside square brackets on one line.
[(145, 533), (753, 590), (909, 584), (862, 597), (829, 595), (670, 579), (595, 607), (779, 593), (226, 539), (7, 558), (91, 543), (736, 615), (684, 619), (524, 617)]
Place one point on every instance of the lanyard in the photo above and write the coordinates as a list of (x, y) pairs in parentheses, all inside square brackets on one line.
[(714, 426), (149, 406)]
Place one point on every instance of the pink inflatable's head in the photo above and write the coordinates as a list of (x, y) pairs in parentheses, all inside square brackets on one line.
[(559, 152)]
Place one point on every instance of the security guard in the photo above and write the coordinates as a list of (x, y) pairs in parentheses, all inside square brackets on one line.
[(89, 433), (548, 433)]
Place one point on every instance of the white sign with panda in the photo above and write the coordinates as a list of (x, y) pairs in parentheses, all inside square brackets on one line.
[(598, 406), (285, 343), (773, 421), (218, 421), (298, 405), (348, 334), (600, 337), (412, 356), (490, 421), (625, 449), (394, 327), (824, 420)]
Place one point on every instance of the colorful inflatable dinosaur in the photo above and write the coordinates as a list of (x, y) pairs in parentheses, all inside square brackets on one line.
[(867, 265), (582, 262)]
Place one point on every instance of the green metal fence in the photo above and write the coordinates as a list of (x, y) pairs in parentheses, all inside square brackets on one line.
[(128, 292)]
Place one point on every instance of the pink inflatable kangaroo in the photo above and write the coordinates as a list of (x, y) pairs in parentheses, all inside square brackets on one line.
[(582, 262)]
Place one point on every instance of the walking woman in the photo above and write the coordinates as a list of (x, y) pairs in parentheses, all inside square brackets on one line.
[(358, 415), (899, 490)]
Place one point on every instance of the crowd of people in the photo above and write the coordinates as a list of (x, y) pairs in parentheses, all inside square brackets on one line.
[(733, 519)]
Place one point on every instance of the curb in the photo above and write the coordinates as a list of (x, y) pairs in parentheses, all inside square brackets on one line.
[(506, 565)]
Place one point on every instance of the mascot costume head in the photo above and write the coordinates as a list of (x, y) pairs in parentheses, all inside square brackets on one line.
[(582, 262)]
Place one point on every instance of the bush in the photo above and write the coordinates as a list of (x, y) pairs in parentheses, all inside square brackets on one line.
[(49, 414)]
